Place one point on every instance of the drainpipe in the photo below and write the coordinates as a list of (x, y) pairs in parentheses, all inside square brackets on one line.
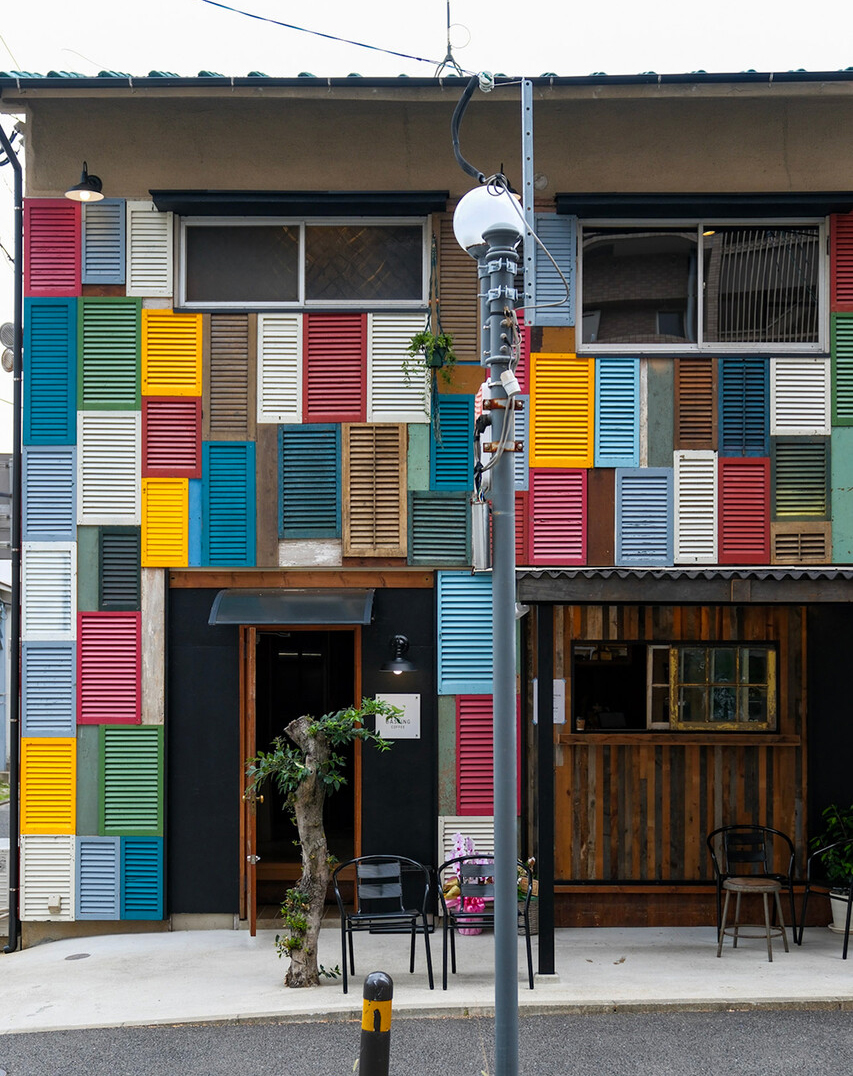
[(15, 617)]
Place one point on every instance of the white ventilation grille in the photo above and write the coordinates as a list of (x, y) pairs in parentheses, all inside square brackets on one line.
[(4, 877), (49, 590), (149, 250), (480, 828), (108, 458), (280, 368), (392, 396), (799, 396), (695, 507), (47, 878)]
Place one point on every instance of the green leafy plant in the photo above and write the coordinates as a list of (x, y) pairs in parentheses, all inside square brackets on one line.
[(838, 862), (430, 350)]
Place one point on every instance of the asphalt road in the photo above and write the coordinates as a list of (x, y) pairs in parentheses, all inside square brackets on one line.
[(755, 1043)]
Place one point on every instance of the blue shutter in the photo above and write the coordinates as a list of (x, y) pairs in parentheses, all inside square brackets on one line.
[(104, 241), (551, 306), (97, 878), (644, 523), (521, 460), (309, 482), (439, 528), (617, 412), (49, 494), (194, 523), (142, 878), (464, 633), (744, 413), (452, 455), (48, 689), (228, 503), (50, 387)]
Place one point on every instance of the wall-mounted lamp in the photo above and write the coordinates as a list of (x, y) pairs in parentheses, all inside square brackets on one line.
[(399, 663), (88, 189)]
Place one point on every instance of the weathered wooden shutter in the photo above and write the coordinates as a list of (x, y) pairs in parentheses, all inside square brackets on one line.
[(695, 403), (47, 873), (799, 396), (142, 877), (452, 450), (109, 668), (392, 394), (562, 404), (553, 287), (374, 490), (50, 387), (800, 470), (51, 247), (842, 369), (457, 291), (48, 689), (334, 382), (744, 511), (841, 261), (48, 784), (171, 437), (464, 633), (695, 507), (104, 249), (165, 523), (131, 792), (439, 528), (97, 880), (228, 503), (49, 494), (474, 765), (558, 516), (229, 389), (108, 455), (171, 353), (309, 481), (119, 585), (149, 250), (644, 524), (109, 349), (801, 543), (744, 406), (617, 412), (49, 590), (280, 368)]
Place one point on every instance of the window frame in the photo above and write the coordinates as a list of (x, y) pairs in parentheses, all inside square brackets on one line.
[(770, 725), (701, 347)]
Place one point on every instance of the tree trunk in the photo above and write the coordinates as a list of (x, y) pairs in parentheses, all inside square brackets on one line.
[(308, 809)]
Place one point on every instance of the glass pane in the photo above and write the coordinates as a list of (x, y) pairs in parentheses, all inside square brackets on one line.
[(724, 666), (694, 665), (257, 264), (693, 704), (753, 666), (755, 705), (724, 704), (761, 284), (368, 263)]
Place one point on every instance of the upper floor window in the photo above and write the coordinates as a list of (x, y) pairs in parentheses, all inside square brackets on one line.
[(712, 286)]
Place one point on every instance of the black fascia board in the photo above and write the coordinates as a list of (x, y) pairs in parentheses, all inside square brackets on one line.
[(705, 206), (201, 203)]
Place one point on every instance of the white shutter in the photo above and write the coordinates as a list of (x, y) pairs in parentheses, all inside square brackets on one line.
[(49, 590), (391, 397), (4, 875), (799, 396), (480, 828), (47, 873), (108, 459), (149, 250), (695, 507), (280, 368)]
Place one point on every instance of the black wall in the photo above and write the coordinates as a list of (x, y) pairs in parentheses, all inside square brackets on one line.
[(830, 709)]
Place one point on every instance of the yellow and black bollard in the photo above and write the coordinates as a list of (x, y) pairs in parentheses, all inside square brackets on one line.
[(376, 1025)]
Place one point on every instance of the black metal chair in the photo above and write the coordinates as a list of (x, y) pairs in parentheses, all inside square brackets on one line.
[(744, 857), (816, 879), (379, 906), (475, 875)]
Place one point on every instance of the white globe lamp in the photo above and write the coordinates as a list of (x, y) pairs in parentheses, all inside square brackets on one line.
[(485, 209)]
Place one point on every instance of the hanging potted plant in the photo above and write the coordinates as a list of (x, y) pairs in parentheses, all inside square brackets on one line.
[(837, 862), (434, 351)]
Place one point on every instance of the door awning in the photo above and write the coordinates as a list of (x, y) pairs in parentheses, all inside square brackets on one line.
[(280, 606)]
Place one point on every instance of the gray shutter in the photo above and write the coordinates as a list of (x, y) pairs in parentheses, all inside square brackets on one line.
[(553, 304)]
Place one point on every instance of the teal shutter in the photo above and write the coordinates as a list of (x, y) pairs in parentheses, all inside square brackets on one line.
[(97, 881), (228, 503), (744, 406), (309, 481), (48, 688), (439, 528), (104, 241), (142, 878), (120, 588), (617, 412), (131, 773), (553, 287), (464, 633), (800, 477), (50, 387), (452, 452), (644, 521), (109, 346), (49, 493)]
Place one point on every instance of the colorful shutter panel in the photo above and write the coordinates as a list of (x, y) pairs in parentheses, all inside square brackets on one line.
[(334, 387), (49, 590), (228, 503), (558, 516), (48, 689), (374, 490), (744, 406), (104, 230), (171, 353), (521, 432), (695, 507), (108, 455), (195, 497), (644, 525), (51, 247), (522, 528), (50, 387), (617, 412), (457, 291), (47, 872), (439, 528), (800, 477), (522, 370), (119, 583), (799, 396), (744, 511), (464, 633), (171, 437), (280, 368), (842, 369), (229, 376), (474, 763), (165, 523), (452, 450), (48, 784), (149, 250), (97, 880), (398, 385), (109, 350), (309, 481), (801, 543), (562, 406), (131, 795), (49, 494), (695, 403), (553, 287), (841, 261), (142, 877), (109, 668)]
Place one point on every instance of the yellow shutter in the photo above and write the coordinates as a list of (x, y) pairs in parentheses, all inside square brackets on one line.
[(48, 784), (562, 393), (374, 491), (171, 353), (165, 525)]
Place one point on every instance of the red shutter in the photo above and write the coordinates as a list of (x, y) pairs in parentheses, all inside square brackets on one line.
[(474, 762), (335, 375), (558, 516), (744, 511), (841, 261), (522, 528), (171, 437), (109, 667), (52, 247)]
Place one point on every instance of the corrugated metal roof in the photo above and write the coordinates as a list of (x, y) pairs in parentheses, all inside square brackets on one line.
[(780, 573)]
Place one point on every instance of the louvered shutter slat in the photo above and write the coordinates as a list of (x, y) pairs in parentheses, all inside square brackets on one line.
[(744, 511), (48, 784), (464, 633), (644, 525), (474, 765), (617, 412), (47, 872), (48, 689), (49, 494), (50, 387), (334, 387), (457, 292), (108, 457), (149, 250), (228, 503), (49, 590), (562, 405), (165, 523), (801, 543), (452, 455), (799, 396), (171, 353), (695, 403), (391, 396), (131, 780), (841, 261), (109, 668), (171, 437), (109, 345), (440, 528), (280, 368), (695, 507), (104, 230), (800, 478), (374, 493), (142, 878), (553, 287), (52, 238), (558, 515), (744, 406), (842, 369), (119, 570), (97, 881), (309, 481)]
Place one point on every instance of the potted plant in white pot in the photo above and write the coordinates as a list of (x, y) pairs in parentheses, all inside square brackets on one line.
[(836, 862)]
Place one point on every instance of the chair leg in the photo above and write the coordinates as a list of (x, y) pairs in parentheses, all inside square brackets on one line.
[(453, 948), (444, 951), (847, 927), (803, 913), (737, 920), (351, 956), (428, 953), (412, 947), (344, 952), (782, 922), (767, 926), (721, 932), (793, 913), (529, 950)]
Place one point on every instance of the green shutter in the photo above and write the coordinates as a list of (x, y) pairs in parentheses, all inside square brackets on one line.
[(108, 348), (800, 470), (131, 773)]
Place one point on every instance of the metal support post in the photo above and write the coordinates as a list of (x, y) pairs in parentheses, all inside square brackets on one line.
[(375, 1053)]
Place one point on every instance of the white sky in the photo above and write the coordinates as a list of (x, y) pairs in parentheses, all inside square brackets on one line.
[(529, 37)]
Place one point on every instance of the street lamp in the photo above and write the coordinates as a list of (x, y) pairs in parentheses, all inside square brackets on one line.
[(488, 224)]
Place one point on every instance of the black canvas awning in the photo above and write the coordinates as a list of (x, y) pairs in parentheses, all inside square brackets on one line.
[(280, 606), (202, 203)]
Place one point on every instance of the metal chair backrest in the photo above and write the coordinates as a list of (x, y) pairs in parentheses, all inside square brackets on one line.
[(476, 877), (379, 885), (743, 849)]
